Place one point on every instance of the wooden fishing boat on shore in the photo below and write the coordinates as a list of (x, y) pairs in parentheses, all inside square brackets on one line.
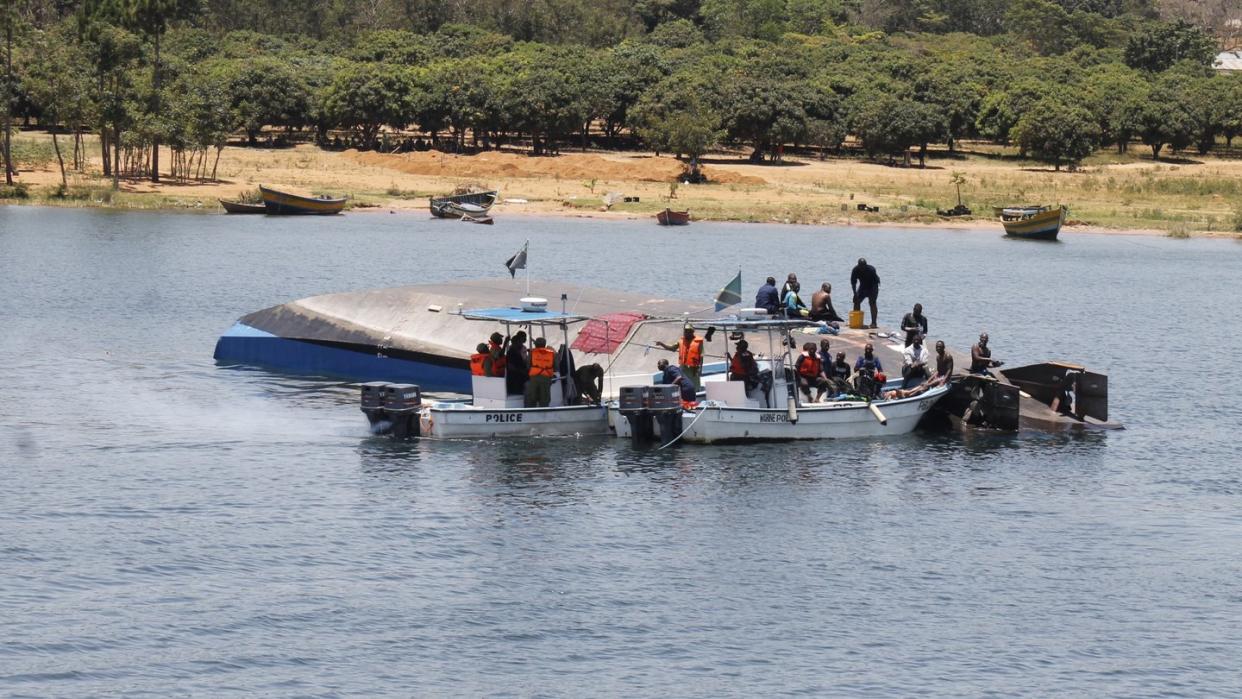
[(241, 207), (668, 217), (285, 203), (473, 204), (1033, 222)]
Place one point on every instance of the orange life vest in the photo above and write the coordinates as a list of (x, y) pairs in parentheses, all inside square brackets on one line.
[(476, 364), (541, 361), (690, 354), (809, 367), (498, 361)]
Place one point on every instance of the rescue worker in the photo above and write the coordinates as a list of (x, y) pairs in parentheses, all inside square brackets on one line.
[(914, 363), (838, 374), (539, 387), (589, 381), (981, 357), (674, 376), (821, 306), (869, 373), (866, 285), (767, 298), (689, 355), (811, 372), (794, 307), (743, 366), (496, 347), (944, 365), (480, 361), (517, 365), (914, 323)]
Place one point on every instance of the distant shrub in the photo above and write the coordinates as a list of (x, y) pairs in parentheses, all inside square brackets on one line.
[(17, 191)]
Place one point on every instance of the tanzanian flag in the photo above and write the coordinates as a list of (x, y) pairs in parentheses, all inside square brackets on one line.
[(731, 294)]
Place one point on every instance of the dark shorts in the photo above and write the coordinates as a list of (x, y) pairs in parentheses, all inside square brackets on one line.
[(870, 294)]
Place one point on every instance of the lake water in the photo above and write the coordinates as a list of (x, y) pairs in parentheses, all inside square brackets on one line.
[(169, 527)]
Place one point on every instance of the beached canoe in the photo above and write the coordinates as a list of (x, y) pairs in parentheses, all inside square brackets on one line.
[(278, 202), (474, 204), (1033, 222), (668, 217), (241, 207), (485, 220)]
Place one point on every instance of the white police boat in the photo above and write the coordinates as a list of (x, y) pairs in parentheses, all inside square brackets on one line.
[(491, 412), (774, 410)]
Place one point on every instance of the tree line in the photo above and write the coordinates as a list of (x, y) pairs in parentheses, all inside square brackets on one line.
[(1057, 79)]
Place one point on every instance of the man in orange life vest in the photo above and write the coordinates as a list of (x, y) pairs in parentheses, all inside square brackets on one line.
[(539, 388), (496, 346), (811, 372), (481, 361), (689, 356)]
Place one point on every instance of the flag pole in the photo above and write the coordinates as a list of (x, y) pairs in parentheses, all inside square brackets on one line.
[(525, 247)]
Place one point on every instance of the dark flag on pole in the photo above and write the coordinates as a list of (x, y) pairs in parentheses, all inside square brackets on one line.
[(731, 294), (518, 261)]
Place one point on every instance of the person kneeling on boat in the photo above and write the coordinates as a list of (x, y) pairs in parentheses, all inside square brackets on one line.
[(481, 361), (914, 363), (811, 372), (539, 387), (673, 376)]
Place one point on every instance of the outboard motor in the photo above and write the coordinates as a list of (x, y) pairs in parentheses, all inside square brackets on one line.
[(402, 402), (664, 402), (633, 406), (646, 406), (372, 405)]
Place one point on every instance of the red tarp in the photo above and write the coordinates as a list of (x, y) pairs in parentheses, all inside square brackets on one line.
[(604, 334)]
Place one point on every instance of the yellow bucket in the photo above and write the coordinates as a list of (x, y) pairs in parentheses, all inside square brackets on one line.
[(856, 320)]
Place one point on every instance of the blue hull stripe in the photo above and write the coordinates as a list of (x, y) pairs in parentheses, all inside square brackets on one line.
[(243, 344)]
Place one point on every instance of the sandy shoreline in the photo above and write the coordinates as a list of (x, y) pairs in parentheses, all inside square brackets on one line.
[(1126, 198)]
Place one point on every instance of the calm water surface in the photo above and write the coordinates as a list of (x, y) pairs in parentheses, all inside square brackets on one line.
[(173, 528)]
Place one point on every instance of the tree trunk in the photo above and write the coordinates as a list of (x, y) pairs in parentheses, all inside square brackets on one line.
[(1155, 150), (116, 158), (155, 98), (104, 149), (922, 155), (8, 104), (64, 181), (219, 150)]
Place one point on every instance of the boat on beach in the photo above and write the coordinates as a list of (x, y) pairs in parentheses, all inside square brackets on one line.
[(668, 217), (1033, 222), (286, 203), (472, 204), (241, 207), (485, 220)]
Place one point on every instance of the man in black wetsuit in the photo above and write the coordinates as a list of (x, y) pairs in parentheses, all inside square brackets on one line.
[(866, 285), (914, 323)]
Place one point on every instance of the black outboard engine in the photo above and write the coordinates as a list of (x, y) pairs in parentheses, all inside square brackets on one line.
[(401, 403), (646, 406), (373, 406), (392, 408), (665, 404), (633, 407)]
